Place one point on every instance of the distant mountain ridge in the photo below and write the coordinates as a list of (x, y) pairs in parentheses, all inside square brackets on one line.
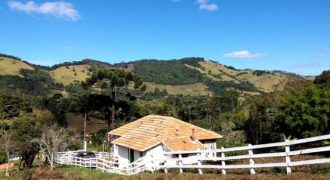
[(187, 76)]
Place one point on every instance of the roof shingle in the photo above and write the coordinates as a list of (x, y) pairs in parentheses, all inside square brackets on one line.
[(152, 130)]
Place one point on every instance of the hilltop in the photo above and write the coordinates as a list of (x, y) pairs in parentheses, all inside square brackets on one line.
[(193, 76)]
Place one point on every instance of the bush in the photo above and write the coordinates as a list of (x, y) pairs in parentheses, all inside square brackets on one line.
[(75, 145), (26, 174), (3, 158)]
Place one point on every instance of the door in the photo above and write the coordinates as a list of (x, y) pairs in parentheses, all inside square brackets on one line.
[(131, 155)]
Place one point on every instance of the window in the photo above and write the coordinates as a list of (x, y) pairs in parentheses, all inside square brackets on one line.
[(185, 155)]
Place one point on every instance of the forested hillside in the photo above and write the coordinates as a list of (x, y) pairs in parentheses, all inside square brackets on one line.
[(215, 76), (183, 76), (245, 106)]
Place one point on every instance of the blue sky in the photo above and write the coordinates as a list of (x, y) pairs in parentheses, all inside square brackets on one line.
[(290, 35)]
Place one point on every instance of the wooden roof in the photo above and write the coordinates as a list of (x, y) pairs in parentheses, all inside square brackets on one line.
[(152, 130)]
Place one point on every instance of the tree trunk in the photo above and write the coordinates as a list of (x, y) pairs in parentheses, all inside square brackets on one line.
[(189, 113), (8, 159), (52, 162), (28, 161), (109, 117), (85, 121), (113, 110), (20, 164)]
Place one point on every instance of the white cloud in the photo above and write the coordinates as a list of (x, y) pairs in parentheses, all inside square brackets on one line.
[(59, 9), (243, 55), (206, 5)]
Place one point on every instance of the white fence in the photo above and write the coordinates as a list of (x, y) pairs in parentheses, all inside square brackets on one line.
[(203, 162), (199, 161)]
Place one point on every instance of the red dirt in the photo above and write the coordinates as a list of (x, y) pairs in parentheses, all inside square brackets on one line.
[(4, 166)]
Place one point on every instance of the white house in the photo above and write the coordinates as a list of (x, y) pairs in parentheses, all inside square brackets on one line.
[(153, 135)]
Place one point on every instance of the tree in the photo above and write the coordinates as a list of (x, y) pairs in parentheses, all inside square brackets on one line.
[(258, 126), (6, 143), (305, 113), (323, 78), (57, 105), (113, 80), (10, 107), (83, 101), (23, 131), (53, 140)]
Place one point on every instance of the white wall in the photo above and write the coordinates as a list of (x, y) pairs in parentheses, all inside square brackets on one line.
[(123, 158), (123, 155), (157, 152), (115, 150), (137, 155), (209, 144)]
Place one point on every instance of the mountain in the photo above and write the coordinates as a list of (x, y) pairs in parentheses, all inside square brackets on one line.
[(194, 76)]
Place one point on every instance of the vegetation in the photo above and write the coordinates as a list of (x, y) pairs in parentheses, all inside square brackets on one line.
[(53, 140), (71, 173), (32, 102), (113, 80), (176, 72), (173, 72)]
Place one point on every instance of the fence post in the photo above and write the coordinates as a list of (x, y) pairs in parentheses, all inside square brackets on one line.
[(252, 171), (223, 163), (200, 163), (287, 156), (180, 162)]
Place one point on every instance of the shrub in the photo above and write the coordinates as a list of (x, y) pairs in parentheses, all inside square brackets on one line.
[(26, 174)]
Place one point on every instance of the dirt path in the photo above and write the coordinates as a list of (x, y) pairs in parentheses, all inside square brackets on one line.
[(4, 166)]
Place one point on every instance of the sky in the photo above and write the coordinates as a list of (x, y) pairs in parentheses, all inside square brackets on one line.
[(289, 35)]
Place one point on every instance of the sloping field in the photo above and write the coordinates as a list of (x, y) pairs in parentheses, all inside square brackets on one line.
[(266, 82), (12, 67), (189, 89), (76, 123), (70, 74)]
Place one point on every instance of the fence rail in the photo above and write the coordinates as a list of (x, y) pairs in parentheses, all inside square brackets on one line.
[(206, 159)]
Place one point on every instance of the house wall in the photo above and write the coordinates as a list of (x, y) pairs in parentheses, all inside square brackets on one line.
[(209, 144), (122, 155), (157, 152), (115, 150)]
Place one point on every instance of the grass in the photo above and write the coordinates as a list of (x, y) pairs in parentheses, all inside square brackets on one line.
[(265, 82), (217, 72), (76, 123), (188, 89), (216, 69), (12, 67), (83, 173), (73, 173), (70, 74)]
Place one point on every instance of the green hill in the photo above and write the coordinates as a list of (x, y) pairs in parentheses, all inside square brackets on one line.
[(11, 66), (215, 76), (194, 76)]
